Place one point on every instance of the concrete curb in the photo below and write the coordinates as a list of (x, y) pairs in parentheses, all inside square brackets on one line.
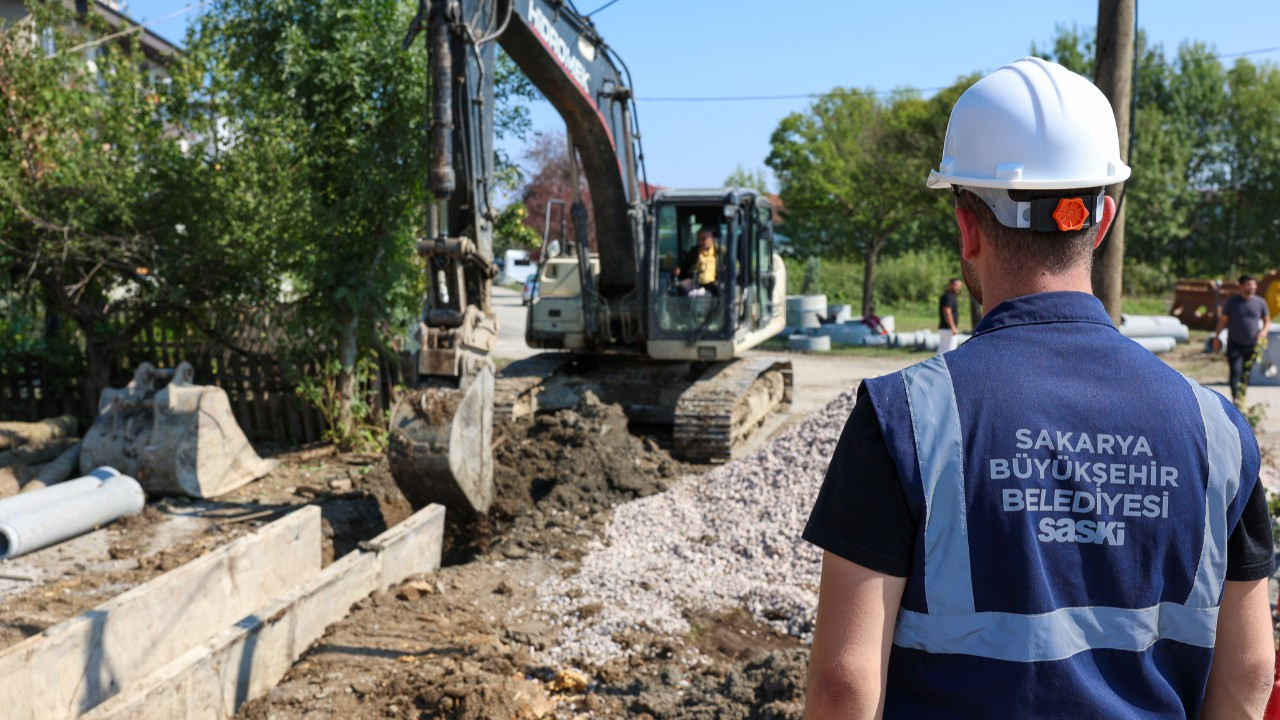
[(77, 664), (242, 663)]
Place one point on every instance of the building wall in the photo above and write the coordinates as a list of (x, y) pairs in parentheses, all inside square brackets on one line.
[(11, 10)]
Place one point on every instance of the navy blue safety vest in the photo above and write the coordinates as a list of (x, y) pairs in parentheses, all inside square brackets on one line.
[(1073, 497)]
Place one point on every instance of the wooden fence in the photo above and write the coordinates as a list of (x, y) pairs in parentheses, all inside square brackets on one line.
[(255, 374)]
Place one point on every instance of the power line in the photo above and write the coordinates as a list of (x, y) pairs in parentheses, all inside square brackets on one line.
[(593, 12), (754, 98), (139, 27), (813, 95), (1248, 52)]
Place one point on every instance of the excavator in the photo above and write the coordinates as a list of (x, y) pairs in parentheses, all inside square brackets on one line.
[(614, 319)]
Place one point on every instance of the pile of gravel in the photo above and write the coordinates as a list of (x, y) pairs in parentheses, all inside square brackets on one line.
[(730, 538)]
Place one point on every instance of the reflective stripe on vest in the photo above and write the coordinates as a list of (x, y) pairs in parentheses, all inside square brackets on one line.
[(953, 626)]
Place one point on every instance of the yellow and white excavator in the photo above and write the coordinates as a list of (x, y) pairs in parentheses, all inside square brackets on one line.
[(615, 318)]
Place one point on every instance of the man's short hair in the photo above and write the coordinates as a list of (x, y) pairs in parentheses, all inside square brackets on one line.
[(1020, 248), (705, 231), (1246, 278), (953, 281)]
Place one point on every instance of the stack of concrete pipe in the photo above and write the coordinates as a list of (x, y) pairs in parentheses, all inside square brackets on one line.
[(1157, 333), (806, 311), (38, 519)]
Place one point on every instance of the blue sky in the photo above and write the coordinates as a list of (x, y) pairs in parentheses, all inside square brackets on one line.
[(714, 48)]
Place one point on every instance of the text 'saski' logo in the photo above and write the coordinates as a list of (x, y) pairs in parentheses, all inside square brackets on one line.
[(542, 25)]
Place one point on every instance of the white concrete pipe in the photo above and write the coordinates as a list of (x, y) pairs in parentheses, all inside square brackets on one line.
[(1156, 320), (1147, 326), (45, 517), (803, 311), (1156, 345), (810, 342), (840, 313), (849, 333)]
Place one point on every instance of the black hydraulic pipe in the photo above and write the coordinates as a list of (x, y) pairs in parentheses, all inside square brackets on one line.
[(443, 179)]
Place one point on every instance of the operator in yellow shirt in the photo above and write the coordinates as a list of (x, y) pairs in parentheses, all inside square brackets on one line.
[(701, 266)]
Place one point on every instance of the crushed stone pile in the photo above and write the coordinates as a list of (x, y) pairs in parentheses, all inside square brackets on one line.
[(730, 538)]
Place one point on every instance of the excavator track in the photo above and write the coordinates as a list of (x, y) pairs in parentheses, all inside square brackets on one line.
[(729, 401)]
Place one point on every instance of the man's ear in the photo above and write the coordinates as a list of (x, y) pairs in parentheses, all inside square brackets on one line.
[(1108, 216), (970, 233)]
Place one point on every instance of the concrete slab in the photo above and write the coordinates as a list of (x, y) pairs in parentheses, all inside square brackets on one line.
[(244, 662), (75, 665)]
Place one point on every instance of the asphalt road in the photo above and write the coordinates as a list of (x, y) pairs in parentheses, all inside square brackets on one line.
[(512, 316)]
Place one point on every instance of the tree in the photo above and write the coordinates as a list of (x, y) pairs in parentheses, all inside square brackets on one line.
[(752, 179), (851, 172), (550, 179), (331, 79), (511, 232), (112, 212)]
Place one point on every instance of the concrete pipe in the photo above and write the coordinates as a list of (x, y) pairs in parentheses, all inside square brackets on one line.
[(1141, 327), (37, 500), (926, 340), (845, 333), (803, 311), (817, 343), (840, 313), (95, 502), (875, 340), (1151, 320), (1156, 345)]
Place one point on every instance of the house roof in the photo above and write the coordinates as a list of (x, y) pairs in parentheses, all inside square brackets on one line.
[(155, 47)]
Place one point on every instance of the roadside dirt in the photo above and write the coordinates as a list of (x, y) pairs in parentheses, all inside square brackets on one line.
[(355, 493), (463, 643)]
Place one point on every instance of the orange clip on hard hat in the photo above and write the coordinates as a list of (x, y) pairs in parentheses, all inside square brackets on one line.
[(1071, 214)]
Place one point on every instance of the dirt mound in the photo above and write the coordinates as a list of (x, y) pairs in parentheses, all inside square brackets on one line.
[(561, 469)]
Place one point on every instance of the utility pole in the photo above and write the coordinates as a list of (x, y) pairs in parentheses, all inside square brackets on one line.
[(1113, 74)]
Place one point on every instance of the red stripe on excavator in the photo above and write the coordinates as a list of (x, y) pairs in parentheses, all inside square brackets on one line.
[(585, 92)]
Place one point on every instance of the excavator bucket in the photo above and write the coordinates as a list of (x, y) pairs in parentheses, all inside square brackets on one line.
[(174, 437), (440, 446)]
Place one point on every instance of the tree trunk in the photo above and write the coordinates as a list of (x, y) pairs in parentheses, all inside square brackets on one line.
[(98, 356), (1114, 76), (348, 354), (869, 277)]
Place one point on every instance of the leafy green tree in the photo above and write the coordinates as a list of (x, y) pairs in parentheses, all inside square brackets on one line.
[(111, 208), (753, 179), (851, 172), (512, 232), (331, 79)]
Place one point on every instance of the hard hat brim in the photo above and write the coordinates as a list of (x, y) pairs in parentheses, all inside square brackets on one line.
[(938, 181)]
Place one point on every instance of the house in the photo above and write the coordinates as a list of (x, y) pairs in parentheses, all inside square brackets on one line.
[(157, 52)]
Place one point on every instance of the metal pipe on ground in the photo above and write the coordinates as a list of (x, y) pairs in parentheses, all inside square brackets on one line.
[(36, 520)]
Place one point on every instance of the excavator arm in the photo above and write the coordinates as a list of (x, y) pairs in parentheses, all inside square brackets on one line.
[(440, 433)]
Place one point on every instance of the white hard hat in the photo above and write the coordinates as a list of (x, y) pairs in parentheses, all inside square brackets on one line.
[(1031, 125)]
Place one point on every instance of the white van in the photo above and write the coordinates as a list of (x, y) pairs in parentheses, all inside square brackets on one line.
[(517, 267)]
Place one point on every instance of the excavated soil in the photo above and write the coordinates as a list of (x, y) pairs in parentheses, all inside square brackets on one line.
[(463, 643)]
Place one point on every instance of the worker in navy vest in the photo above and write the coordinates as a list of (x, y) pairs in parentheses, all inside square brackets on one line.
[(1048, 521)]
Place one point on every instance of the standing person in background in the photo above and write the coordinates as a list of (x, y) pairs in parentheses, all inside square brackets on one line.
[(1247, 320), (1048, 521), (948, 317)]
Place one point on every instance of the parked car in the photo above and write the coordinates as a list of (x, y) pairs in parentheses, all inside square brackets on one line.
[(530, 290)]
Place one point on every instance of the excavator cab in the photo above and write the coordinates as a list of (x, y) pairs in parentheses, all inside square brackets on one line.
[(691, 319)]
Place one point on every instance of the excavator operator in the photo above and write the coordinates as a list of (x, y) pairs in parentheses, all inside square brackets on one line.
[(701, 267)]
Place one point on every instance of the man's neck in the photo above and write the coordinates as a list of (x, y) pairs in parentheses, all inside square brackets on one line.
[(998, 288)]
